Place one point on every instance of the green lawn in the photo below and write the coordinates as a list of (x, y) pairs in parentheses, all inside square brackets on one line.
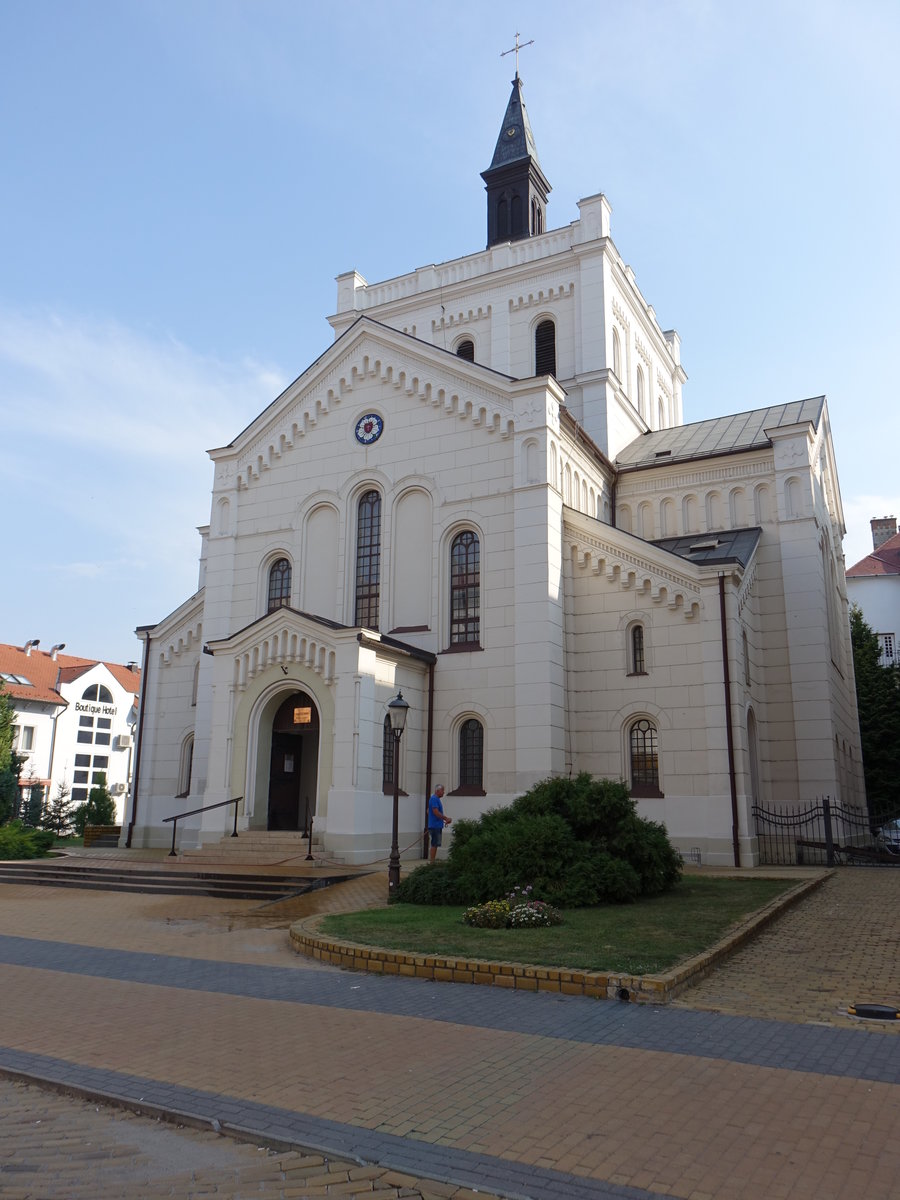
[(641, 938)]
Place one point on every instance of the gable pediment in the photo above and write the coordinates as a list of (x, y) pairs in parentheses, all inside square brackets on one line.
[(284, 637), (368, 352)]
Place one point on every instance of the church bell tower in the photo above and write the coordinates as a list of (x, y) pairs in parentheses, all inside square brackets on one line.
[(517, 188)]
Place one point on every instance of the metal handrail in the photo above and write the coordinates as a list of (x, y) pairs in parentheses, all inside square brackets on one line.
[(194, 811)]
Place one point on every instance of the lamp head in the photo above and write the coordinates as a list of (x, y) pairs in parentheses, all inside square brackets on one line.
[(397, 710)]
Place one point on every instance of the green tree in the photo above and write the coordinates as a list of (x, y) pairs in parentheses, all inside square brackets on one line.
[(7, 720), (878, 702), (33, 807), (99, 809), (10, 763), (58, 814)]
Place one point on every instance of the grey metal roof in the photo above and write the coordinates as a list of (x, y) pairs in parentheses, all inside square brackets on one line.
[(712, 549), (512, 146), (721, 435)]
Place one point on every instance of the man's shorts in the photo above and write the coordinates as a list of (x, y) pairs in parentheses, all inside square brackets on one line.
[(435, 836)]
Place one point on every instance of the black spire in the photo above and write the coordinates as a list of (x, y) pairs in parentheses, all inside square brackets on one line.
[(517, 188)]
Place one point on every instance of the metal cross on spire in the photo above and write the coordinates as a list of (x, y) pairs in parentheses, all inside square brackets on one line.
[(516, 48)]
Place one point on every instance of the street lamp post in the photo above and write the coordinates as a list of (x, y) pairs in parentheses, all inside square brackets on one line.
[(397, 710)]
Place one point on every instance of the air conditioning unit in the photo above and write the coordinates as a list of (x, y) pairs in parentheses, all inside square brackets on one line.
[(124, 741), (117, 789)]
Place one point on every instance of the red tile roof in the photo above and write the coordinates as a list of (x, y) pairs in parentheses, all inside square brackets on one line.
[(883, 561), (45, 675)]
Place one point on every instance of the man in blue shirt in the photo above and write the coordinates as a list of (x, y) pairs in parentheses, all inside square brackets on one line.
[(436, 819)]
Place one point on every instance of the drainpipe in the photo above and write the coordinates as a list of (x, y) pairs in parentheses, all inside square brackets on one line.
[(428, 747), (729, 731), (140, 729)]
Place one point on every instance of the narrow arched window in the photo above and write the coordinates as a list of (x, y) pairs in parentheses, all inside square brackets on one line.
[(471, 756), (466, 350), (661, 414), (640, 394), (637, 664), (186, 766), (516, 217), (617, 355), (388, 742), (502, 218), (545, 349), (465, 589), (368, 560), (643, 751), (279, 585)]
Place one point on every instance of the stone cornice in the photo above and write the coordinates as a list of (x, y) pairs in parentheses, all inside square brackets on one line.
[(628, 569)]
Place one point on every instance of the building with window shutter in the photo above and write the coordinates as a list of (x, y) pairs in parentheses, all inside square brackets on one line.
[(483, 493)]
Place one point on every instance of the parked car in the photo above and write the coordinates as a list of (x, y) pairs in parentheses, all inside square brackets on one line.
[(889, 835)]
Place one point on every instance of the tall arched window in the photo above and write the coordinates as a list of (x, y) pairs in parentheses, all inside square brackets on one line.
[(545, 349), (641, 403), (643, 753), (368, 560), (466, 350), (636, 664), (279, 585), (617, 355), (661, 414), (465, 589), (471, 757)]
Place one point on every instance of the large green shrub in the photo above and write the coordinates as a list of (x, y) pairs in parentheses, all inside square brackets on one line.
[(18, 842), (577, 841)]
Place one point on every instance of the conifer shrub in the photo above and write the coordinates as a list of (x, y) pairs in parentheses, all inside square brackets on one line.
[(18, 842), (577, 841)]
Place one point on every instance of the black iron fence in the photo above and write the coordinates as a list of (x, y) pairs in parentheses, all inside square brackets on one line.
[(824, 833)]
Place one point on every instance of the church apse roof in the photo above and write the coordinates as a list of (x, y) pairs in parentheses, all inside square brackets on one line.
[(720, 435), (714, 549)]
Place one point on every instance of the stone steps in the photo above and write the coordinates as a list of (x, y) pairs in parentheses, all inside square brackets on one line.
[(256, 848), (224, 884)]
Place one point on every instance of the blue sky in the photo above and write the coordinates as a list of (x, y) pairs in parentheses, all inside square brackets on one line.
[(183, 180)]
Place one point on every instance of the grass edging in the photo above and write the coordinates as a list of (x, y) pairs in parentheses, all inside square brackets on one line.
[(644, 989)]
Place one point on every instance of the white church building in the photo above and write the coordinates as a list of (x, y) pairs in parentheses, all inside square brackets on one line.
[(483, 494)]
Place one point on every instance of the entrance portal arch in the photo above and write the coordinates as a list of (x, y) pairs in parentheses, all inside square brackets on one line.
[(286, 768)]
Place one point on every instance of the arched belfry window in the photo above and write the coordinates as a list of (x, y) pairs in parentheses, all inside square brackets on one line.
[(502, 218), (643, 754), (466, 350), (471, 758), (465, 589), (279, 595), (545, 349), (368, 560), (515, 209)]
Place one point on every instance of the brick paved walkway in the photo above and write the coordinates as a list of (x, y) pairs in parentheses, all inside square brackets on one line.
[(188, 1006)]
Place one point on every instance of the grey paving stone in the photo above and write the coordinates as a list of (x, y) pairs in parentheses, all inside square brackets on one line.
[(850, 1053)]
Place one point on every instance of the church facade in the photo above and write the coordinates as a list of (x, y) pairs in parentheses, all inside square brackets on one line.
[(483, 494)]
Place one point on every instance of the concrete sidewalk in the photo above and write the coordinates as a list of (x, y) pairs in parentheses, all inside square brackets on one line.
[(198, 1007)]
